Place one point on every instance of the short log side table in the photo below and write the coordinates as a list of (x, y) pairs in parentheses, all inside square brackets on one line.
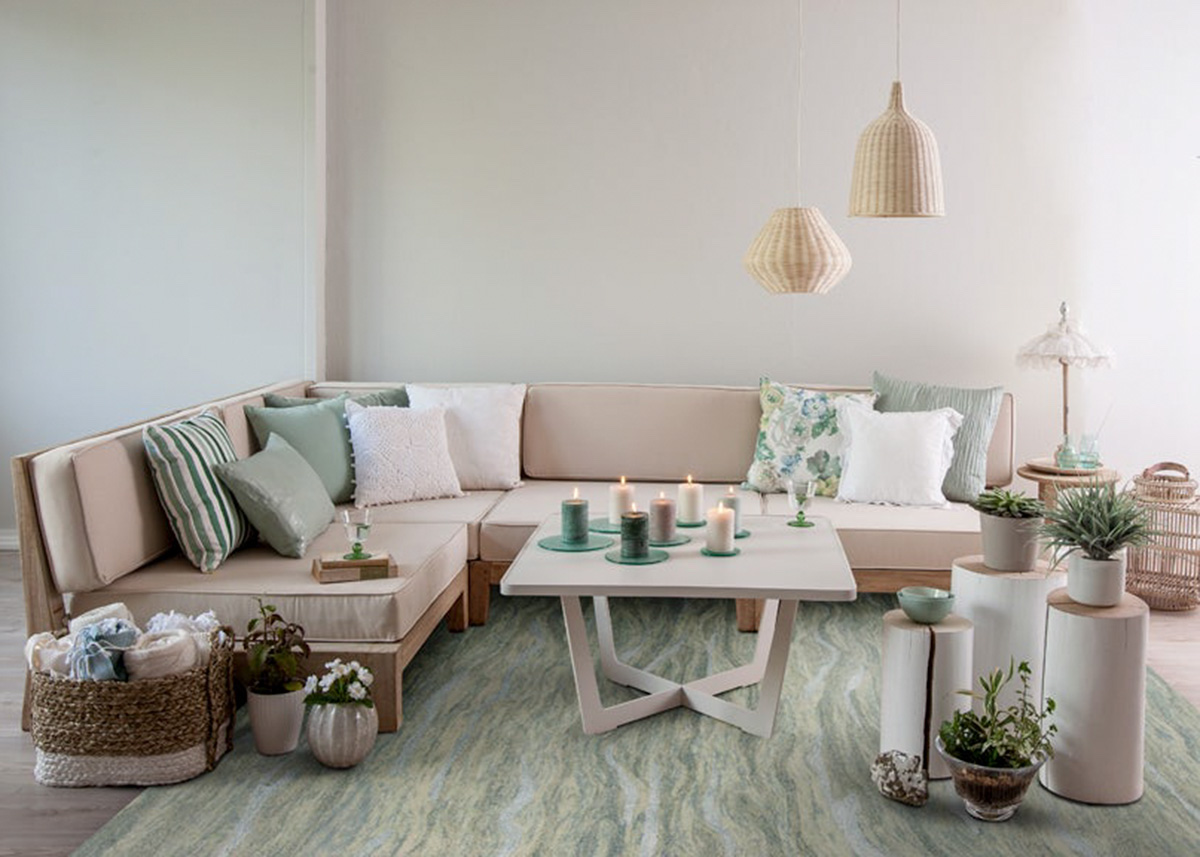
[(1008, 610), (1049, 484), (924, 667), (1096, 674)]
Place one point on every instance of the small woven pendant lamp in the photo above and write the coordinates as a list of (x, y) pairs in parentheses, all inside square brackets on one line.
[(897, 169), (797, 252)]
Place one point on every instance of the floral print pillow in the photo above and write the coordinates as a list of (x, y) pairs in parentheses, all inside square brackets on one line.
[(798, 438)]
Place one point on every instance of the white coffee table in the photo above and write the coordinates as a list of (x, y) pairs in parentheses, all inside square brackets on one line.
[(784, 565)]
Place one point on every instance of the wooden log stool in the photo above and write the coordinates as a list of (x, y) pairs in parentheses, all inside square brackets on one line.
[(924, 667), (1096, 674), (1008, 610)]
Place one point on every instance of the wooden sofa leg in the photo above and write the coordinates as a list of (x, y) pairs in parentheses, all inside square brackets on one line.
[(749, 611), (389, 700), (479, 591), (456, 618)]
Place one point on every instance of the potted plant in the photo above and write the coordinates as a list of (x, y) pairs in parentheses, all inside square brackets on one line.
[(1092, 525), (342, 724), (1009, 523), (993, 756), (275, 693)]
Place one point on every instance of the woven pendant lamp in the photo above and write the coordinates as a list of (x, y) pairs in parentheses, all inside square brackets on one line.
[(797, 252), (897, 169)]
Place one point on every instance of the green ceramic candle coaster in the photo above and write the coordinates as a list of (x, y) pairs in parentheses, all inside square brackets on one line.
[(733, 552), (601, 525), (650, 558), (670, 543), (558, 543)]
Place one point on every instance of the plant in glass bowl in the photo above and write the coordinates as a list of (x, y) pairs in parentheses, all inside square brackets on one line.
[(994, 754), (342, 724), (1009, 523), (1092, 525), (274, 648)]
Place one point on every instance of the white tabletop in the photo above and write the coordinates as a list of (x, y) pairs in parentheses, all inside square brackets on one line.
[(776, 561)]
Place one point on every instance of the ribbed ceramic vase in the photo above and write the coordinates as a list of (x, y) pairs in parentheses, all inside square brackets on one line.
[(275, 720), (341, 735)]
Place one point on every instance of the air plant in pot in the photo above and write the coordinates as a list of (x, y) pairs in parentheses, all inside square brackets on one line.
[(993, 755), (1009, 523), (1092, 525), (274, 648)]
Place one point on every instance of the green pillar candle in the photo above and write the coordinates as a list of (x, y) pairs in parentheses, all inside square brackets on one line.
[(635, 535), (574, 521)]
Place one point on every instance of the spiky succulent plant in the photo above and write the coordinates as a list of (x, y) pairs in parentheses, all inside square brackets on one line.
[(1095, 519), (1008, 504)]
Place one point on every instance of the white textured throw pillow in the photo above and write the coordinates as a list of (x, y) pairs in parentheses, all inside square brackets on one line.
[(400, 454), (897, 458), (483, 425)]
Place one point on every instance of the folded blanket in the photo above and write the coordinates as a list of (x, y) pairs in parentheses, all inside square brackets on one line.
[(97, 652), (107, 611), (198, 626), (161, 653), (47, 654)]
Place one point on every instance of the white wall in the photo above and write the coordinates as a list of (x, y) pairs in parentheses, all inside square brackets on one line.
[(539, 189), (152, 229)]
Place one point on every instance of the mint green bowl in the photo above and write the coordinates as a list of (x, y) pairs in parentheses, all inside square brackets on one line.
[(926, 605)]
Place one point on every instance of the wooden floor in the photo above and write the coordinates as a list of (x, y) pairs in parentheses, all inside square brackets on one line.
[(35, 820)]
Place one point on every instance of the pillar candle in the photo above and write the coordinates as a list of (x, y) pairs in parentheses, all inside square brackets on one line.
[(662, 518), (720, 529), (732, 501), (635, 535), (691, 502), (575, 520), (620, 501)]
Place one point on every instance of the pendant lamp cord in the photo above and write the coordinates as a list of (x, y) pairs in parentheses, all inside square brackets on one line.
[(799, 88), (897, 39)]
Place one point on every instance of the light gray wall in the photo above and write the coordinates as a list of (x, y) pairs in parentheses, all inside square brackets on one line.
[(152, 193), (540, 189)]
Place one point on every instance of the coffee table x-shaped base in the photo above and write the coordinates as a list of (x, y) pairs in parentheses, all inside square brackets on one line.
[(766, 669)]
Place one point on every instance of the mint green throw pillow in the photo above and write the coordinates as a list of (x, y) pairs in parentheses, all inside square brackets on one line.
[(319, 433), (979, 408), (280, 494), (396, 397)]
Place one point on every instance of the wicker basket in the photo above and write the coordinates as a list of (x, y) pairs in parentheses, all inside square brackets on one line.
[(1166, 573), (142, 733), (1165, 482)]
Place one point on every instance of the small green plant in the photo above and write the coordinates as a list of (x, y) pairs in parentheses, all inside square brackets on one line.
[(1097, 520), (273, 649), (1012, 737), (1008, 504)]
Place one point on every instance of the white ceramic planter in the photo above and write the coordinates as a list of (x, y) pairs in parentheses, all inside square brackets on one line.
[(1009, 544), (275, 720), (1096, 582), (341, 735)]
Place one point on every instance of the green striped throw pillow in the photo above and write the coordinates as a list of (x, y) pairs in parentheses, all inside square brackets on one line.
[(205, 518)]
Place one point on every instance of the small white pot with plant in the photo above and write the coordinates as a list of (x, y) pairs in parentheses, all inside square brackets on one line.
[(275, 694), (342, 722), (1092, 525), (1009, 523)]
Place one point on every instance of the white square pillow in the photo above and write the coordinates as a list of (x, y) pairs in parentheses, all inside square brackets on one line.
[(400, 454), (483, 425), (896, 458)]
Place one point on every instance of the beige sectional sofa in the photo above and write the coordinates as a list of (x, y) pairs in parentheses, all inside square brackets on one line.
[(92, 530)]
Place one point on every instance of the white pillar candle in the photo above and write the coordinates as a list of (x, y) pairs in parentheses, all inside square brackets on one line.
[(720, 529), (691, 502), (620, 501), (662, 518), (732, 501)]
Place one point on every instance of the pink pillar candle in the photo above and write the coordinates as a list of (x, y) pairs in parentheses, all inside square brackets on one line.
[(662, 519)]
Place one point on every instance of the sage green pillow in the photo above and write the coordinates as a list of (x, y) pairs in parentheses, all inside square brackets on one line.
[(979, 408), (396, 397), (280, 494), (319, 433)]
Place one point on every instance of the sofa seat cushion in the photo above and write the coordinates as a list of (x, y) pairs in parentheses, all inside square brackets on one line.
[(895, 537), (380, 611), (469, 509), (510, 524)]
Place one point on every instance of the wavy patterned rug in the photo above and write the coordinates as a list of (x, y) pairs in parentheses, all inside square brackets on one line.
[(491, 760)]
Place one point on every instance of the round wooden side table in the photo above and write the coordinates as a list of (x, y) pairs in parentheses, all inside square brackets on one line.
[(1096, 674), (924, 667), (1008, 610), (1049, 484)]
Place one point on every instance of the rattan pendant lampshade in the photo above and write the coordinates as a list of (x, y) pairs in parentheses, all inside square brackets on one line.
[(797, 252), (897, 169)]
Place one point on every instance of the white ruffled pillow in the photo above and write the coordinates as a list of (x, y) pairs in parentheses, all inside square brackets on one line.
[(898, 458), (400, 454), (483, 427)]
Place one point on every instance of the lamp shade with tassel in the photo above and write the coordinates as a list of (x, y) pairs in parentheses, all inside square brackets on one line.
[(797, 252), (897, 170)]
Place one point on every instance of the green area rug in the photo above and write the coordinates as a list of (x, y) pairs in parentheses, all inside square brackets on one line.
[(492, 760)]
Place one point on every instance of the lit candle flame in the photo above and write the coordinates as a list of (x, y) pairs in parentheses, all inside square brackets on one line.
[(622, 480), (634, 509), (689, 479), (662, 495), (729, 490), (575, 495), (721, 505)]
